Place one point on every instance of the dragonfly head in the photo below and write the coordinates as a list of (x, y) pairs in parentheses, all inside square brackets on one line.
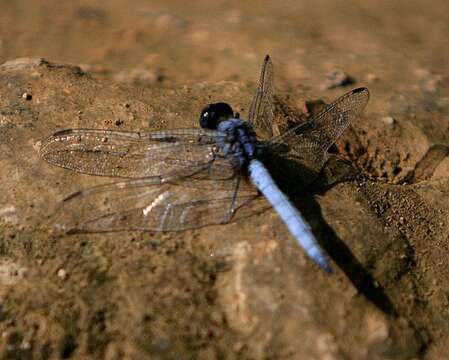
[(213, 114)]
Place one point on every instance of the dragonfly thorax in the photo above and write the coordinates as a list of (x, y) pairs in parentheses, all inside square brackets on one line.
[(240, 141)]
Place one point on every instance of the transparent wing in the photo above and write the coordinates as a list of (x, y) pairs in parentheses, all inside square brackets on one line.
[(180, 152), (148, 204), (309, 142), (261, 110)]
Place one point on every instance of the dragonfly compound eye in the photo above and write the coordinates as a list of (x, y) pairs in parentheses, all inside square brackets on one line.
[(212, 114)]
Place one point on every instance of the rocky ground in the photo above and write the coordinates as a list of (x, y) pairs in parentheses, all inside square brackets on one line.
[(243, 290)]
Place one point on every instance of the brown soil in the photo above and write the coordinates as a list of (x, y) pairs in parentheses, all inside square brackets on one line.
[(243, 290)]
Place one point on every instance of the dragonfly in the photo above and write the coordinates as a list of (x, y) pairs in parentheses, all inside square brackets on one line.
[(180, 179)]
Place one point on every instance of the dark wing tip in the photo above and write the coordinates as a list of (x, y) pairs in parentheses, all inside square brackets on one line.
[(267, 57), (62, 132), (363, 91), (360, 89), (47, 141)]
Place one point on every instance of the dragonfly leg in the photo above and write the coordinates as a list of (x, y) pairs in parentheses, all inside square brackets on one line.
[(232, 207)]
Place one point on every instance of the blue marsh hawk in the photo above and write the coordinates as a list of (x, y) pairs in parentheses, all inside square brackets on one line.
[(183, 179)]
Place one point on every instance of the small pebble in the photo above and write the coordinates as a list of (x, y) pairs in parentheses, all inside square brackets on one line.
[(388, 120), (27, 96), (336, 78), (154, 244), (25, 345), (432, 84), (62, 274), (22, 272), (371, 77)]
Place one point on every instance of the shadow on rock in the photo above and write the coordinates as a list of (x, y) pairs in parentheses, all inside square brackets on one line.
[(340, 253)]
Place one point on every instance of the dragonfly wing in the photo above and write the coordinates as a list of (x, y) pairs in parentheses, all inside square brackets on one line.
[(171, 153), (261, 113), (309, 142), (149, 204)]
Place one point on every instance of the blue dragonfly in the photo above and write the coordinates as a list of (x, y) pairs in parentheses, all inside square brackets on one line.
[(181, 179)]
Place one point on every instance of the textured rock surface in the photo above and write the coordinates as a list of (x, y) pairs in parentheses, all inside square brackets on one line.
[(243, 290)]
